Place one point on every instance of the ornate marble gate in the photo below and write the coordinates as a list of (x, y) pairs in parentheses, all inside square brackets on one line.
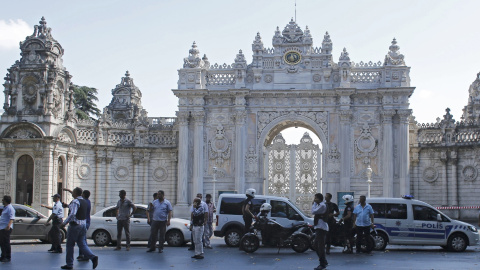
[(294, 171)]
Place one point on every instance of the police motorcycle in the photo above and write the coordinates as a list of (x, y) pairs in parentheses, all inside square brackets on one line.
[(273, 234)]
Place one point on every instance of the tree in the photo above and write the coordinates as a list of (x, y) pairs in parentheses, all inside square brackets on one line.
[(84, 99)]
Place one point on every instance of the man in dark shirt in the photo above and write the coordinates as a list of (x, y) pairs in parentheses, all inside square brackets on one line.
[(86, 196), (347, 219), (125, 209), (332, 223)]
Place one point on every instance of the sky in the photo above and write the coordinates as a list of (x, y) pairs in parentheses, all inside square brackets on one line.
[(103, 39)]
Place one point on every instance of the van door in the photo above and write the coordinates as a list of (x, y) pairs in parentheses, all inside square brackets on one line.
[(428, 230), (399, 226), (284, 214)]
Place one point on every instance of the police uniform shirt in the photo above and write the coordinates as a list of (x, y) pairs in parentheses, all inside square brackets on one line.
[(58, 209), (249, 202), (348, 208)]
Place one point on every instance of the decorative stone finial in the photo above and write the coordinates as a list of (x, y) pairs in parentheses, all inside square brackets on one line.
[(344, 55), (127, 74), (194, 51), (41, 30), (394, 57)]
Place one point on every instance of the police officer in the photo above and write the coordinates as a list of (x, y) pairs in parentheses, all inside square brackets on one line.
[(57, 218), (347, 219), (248, 216)]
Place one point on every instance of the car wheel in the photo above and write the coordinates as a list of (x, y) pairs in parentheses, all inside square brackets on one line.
[(101, 238), (175, 238), (381, 241), (457, 242), (232, 237)]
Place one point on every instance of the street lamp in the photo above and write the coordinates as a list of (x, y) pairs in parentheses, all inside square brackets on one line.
[(369, 176), (214, 181)]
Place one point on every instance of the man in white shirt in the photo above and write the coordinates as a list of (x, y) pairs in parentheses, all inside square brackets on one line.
[(319, 210), (57, 218), (6, 227)]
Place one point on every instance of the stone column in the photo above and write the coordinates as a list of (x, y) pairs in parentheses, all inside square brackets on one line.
[(403, 150), (37, 180), (9, 152), (99, 157), (240, 120), (345, 146), (414, 165), (69, 183), (137, 158), (146, 166), (444, 195), (198, 155), (108, 161), (453, 181), (387, 152), (182, 184)]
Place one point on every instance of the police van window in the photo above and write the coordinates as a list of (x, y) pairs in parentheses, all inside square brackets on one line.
[(378, 210), (396, 211), (140, 213), (425, 213), (279, 209), (233, 206)]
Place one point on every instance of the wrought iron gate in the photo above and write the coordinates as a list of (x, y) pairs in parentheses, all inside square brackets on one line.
[(294, 171)]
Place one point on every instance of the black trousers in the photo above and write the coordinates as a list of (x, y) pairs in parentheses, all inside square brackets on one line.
[(5, 244), (248, 223), (55, 236), (320, 244), (332, 230), (154, 229), (362, 233), (123, 225)]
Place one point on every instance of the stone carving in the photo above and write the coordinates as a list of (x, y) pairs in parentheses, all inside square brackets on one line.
[(8, 177), (251, 162), (24, 134), (38, 180), (84, 171), (64, 137), (193, 60), (430, 174), (469, 173), (394, 57), (292, 33), (160, 174), (268, 78), (365, 145), (317, 77), (121, 173), (264, 118), (333, 164), (219, 146)]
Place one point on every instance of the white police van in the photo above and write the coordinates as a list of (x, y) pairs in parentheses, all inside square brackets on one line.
[(230, 219), (406, 221)]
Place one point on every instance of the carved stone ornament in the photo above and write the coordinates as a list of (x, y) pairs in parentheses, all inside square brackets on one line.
[(333, 164), (63, 137), (469, 173), (24, 134), (84, 171), (268, 78), (264, 118), (365, 145), (251, 162), (317, 77), (160, 174), (430, 174), (219, 146), (121, 173)]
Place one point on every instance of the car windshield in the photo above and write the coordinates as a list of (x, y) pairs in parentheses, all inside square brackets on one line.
[(300, 210)]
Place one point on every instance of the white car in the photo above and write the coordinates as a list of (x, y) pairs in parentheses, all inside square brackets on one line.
[(103, 227)]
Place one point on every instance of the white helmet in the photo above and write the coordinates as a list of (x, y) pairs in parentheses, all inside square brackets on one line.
[(250, 192), (347, 198), (266, 207)]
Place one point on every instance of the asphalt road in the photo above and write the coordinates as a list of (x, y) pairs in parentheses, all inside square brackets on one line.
[(33, 255)]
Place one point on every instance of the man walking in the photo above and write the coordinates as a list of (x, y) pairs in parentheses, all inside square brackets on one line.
[(77, 220), (86, 196), (123, 207), (162, 213), (197, 222), (6, 227), (363, 221), (57, 218), (319, 210), (333, 212), (208, 230)]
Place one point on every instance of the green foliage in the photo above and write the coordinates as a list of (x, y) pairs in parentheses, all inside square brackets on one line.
[(84, 99)]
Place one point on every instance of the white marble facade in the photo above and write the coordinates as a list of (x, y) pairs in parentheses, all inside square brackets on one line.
[(227, 117)]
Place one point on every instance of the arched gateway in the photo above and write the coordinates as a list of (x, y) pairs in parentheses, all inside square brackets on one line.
[(228, 116)]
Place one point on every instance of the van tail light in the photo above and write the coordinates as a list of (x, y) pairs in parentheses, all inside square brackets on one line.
[(216, 223)]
